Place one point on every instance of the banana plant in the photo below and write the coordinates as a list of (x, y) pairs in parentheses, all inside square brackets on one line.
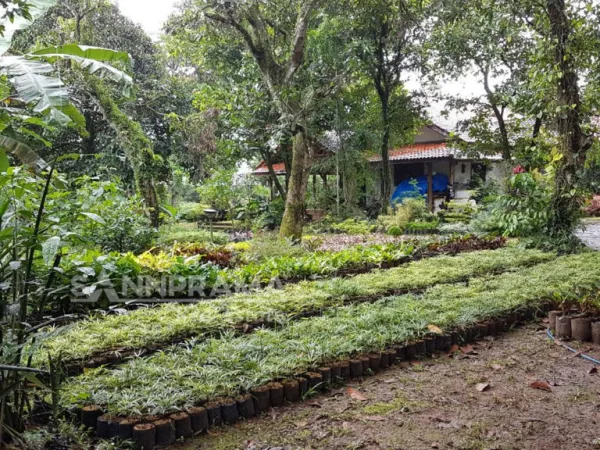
[(37, 90)]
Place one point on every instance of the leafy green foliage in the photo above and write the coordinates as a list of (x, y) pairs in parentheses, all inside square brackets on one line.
[(113, 220), (188, 234), (411, 209), (191, 212), (82, 340), (238, 364), (523, 211), (352, 226)]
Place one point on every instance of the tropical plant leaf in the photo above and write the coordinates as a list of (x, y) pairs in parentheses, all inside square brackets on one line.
[(95, 60), (34, 86), (94, 217), (50, 249), (87, 52), (22, 151), (36, 9), (4, 162)]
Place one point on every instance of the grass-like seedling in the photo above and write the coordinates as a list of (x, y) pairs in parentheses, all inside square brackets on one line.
[(160, 326), (224, 366)]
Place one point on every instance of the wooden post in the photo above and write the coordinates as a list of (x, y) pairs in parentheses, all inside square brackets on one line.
[(271, 189), (452, 164), (324, 176), (430, 186), (314, 185)]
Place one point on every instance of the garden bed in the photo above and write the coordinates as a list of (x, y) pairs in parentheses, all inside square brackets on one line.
[(201, 372), (436, 404), (109, 339), (211, 280)]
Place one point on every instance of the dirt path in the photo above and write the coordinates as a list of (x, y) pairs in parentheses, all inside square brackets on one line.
[(437, 404)]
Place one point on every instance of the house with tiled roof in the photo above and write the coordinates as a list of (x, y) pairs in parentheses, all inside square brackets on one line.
[(433, 155)]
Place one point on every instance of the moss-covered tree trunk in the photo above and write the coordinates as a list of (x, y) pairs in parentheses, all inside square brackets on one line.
[(293, 218), (565, 203)]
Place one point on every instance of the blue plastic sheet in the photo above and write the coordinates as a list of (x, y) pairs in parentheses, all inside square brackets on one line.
[(406, 189)]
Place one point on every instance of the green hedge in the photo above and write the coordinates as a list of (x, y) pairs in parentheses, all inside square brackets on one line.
[(226, 366)]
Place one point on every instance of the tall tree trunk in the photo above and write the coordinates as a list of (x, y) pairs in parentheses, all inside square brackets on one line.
[(565, 205), (293, 218), (386, 168)]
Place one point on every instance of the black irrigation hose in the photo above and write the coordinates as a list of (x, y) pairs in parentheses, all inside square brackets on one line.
[(586, 357)]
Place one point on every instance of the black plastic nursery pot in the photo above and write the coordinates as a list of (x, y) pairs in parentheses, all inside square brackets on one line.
[(356, 368), (125, 428), (291, 390), (229, 410), (144, 436), (581, 329), (262, 399), (596, 333), (563, 327), (149, 432), (214, 413), (199, 418), (277, 394), (245, 405), (165, 431)]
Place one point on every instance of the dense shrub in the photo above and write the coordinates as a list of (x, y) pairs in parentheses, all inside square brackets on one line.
[(171, 234), (423, 226), (191, 212), (522, 211), (115, 221), (411, 209), (352, 226)]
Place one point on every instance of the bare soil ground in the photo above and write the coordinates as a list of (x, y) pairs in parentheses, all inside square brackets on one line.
[(481, 398)]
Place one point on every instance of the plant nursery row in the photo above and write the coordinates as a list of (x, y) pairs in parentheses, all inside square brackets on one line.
[(107, 339), (212, 280), (201, 372)]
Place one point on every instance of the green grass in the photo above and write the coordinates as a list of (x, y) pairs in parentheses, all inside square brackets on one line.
[(188, 233), (162, 325), (218, 367)]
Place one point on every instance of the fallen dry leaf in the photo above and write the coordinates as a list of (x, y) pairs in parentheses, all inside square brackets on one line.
[(496, 366), (454, 348), (468, 350), (481, 387), (541, 385), (435, 329), (301, 424), (356, 395)]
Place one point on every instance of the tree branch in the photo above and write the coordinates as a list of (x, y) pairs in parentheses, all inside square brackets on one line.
[(299, 43)]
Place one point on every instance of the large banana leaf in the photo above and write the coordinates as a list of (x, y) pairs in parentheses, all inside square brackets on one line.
[(88, 52), (95, 60), (32, 78), (24, 152), (35, 86), (36, 9)]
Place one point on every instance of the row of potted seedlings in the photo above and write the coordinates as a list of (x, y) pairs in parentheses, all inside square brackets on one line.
[(151, 431), (576, 326)]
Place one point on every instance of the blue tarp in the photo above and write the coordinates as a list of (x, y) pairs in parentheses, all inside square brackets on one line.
[(406, 189)]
